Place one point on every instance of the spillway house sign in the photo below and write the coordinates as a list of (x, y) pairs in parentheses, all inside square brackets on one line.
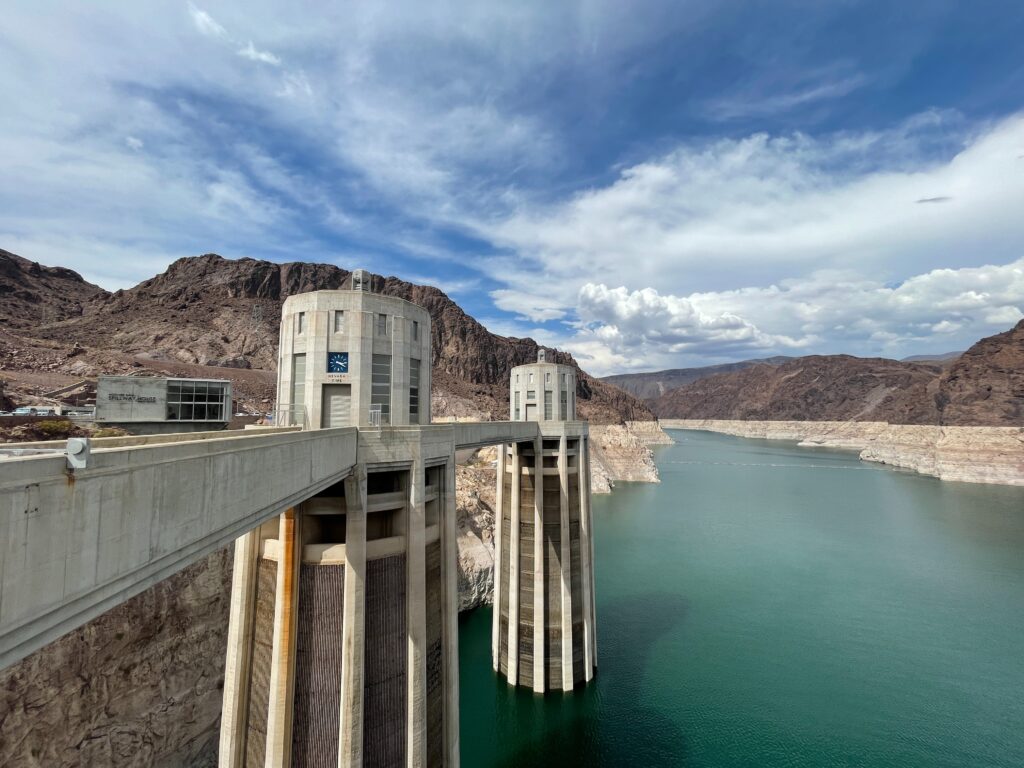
[(130, 397)]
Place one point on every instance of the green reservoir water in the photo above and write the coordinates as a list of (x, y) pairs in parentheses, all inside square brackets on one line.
[(769, 605)]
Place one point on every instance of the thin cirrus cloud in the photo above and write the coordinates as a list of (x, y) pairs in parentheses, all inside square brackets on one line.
[(205, 23), (756, 102), (253, 54), (210, 27)]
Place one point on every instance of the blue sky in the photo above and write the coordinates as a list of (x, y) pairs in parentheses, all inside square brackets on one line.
[(645, 184)]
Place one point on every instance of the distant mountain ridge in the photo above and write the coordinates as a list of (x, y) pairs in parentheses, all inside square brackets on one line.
[(649, 386), (940, 357), (812, 388), (982, 387), (211, 311)]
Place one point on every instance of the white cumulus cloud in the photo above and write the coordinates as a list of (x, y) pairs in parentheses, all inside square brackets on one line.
[(645, 329)]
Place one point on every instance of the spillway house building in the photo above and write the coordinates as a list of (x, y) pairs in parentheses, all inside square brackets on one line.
[(144, 404)]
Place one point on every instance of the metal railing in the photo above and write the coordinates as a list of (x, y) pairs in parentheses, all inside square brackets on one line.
[(377, 418), (287, 416)]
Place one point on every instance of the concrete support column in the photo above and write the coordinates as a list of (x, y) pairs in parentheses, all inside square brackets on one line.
[(590, 569), (450, 568), (239, 651), (539, 620), (416, 616), (512, 663), (498, 525), (566, 561), (586, 558), (350, 754), (282, 669)]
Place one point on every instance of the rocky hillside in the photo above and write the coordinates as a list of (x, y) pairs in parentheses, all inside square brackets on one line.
[(31, 294), (212, 311), (983, 387), (833, 387), (648, 386)]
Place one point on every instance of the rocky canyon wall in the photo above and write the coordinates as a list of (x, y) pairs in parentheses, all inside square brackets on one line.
[(138, 686), (475, 491), (621, 453), (965, 454)]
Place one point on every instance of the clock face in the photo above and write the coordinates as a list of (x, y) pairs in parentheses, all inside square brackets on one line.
[(337, 362)]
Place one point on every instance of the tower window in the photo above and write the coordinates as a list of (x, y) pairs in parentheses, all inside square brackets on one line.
[(300, 323), (531, 394), (516, 416), (414, 390), (380, 386), (547, 405), (298, 393), (415, 330), (382, 325), (339, 321)]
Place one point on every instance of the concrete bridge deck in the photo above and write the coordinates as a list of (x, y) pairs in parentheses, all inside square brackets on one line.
[(75, 543)]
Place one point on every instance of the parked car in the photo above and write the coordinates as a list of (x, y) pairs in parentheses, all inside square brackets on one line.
[(34, 410), (6, 413)]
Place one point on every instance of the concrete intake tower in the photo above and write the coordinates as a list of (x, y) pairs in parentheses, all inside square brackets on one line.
[(543, 635), (342, 645)]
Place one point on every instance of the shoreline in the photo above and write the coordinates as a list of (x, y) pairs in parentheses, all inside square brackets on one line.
[(988, 455)]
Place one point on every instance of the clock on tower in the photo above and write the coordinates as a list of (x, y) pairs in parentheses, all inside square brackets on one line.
[(337, 362)]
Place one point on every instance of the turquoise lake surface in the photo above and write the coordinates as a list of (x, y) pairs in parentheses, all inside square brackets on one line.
[(769, 605)]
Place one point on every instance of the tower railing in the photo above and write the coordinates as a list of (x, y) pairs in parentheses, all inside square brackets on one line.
[(377, 418), (288, 416)]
